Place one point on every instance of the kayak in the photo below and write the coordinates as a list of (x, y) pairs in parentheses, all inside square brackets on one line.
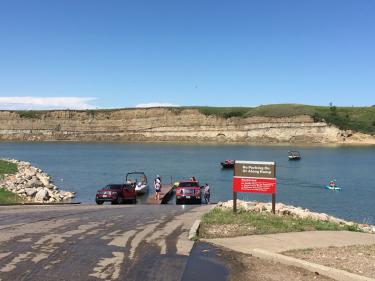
[(333, 187)]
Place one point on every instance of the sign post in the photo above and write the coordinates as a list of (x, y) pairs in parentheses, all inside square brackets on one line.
[(256, 177)]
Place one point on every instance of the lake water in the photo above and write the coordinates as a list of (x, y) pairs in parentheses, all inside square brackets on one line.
[(85, 167)]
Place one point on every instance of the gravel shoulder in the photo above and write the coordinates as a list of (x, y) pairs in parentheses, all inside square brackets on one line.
[(358, 259)]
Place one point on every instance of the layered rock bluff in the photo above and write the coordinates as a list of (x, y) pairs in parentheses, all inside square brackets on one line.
[(169, 124)]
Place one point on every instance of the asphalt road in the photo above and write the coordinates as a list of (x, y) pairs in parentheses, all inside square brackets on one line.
[(143, 242)]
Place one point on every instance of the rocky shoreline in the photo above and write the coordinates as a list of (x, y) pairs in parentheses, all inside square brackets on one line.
[(288, 210), (33, 185)]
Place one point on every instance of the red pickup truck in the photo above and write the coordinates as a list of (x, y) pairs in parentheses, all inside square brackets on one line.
[(188, 191), (116, 194)]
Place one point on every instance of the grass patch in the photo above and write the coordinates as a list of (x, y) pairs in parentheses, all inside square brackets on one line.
[(224, 112), (361, 119), (224, 223), (30, 114), (7, 197), (7, 168)]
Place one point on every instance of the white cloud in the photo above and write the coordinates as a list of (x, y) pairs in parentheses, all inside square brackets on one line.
[(25, 103), (156, 104)]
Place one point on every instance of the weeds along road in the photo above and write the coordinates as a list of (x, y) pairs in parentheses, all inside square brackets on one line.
[(143, 242)]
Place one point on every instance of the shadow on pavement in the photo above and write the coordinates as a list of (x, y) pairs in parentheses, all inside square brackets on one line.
[(205, 263)]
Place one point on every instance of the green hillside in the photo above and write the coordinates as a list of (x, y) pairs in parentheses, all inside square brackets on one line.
[(361, 119)]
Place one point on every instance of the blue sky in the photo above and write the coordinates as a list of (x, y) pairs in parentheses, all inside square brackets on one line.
[(108, 54)]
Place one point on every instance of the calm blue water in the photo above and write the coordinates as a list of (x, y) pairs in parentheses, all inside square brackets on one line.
[(85, 167)]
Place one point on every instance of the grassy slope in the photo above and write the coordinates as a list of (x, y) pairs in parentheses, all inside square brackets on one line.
[(7, 197), (361, 119), (7, 168), (249, 223)]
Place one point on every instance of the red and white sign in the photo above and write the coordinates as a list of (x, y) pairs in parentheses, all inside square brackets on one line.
[(254, 176), (256, 185)]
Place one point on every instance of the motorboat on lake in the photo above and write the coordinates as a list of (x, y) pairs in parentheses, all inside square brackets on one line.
[(227, 164), (294, 155), (139, 180)]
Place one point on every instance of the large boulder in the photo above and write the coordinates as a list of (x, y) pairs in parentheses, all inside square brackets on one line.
[(31, 191), (34, 182), (42, 195), (68, 195), (29, 173), (44, 180)]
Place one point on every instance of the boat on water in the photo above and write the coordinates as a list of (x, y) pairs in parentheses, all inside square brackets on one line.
[(227, 164), (139, 180), (294, 155)]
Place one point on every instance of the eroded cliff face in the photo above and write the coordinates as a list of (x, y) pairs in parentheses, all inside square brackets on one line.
[(163, 124)]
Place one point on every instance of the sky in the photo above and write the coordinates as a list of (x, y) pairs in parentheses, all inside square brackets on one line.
[(113, 54)]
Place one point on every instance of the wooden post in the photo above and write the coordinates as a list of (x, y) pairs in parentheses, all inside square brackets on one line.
[(234, 202), (274, 197), (234, 193)]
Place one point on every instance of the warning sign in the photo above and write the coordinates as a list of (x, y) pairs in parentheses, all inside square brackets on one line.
[(256, 185), (254, 176)]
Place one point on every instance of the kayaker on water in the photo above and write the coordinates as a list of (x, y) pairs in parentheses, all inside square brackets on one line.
[(332, 183)]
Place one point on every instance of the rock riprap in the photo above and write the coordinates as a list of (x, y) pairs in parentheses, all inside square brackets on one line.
[(288, 210), (33, 185)]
